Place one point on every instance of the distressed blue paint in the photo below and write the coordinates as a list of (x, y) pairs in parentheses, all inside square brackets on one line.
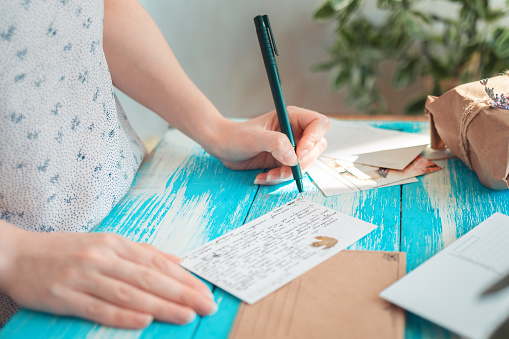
[(219, 325), (378, 206), (30, 324), (199, 176), (416, 213), (463, 203), (162, 330)]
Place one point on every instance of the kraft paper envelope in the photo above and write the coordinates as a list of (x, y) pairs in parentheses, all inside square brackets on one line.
[(336, 299)]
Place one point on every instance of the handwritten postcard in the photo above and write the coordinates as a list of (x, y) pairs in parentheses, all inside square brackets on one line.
[(263, 255)]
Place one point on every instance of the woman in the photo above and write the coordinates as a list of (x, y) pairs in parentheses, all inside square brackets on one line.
[(68, 155)]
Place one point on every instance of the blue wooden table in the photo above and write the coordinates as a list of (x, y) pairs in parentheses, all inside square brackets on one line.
[(182, 198)]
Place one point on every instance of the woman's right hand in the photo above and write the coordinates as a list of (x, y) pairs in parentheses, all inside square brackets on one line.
[(102, 277)]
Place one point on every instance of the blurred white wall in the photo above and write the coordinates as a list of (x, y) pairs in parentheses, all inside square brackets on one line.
[(215, 42)]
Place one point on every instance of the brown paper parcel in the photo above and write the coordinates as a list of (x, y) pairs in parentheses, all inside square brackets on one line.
[(478, 134)]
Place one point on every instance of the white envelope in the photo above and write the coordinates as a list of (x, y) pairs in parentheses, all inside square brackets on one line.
[(373, 146)]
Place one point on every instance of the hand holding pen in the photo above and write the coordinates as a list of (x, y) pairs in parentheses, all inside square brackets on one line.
[(269, 50), (259, 143), (263, 142)]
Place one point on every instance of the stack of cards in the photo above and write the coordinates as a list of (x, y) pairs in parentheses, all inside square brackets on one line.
[(361, 157)]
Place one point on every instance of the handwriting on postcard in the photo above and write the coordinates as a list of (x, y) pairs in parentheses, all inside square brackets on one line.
[(263, 255)]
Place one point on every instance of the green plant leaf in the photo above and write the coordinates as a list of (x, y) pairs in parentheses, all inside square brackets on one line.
[(340, 4), (414, 28), (481, 7), (501, 47), (339, 78), (347, 12), (468, 50), (384, 4), (467, 76), (324, 12), (324, 65), (405, 74), (416, 106), (446, 48), (438, 70), (490, 65), (349, 36), (424, 17), (492, 16), (363, 103)]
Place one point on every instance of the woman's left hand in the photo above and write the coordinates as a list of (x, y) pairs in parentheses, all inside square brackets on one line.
[(259, 143)]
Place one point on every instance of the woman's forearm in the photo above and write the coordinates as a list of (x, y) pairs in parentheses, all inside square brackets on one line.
[(143, 66), (10, 236)]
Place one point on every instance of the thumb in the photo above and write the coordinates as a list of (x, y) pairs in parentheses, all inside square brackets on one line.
[(278, 144)]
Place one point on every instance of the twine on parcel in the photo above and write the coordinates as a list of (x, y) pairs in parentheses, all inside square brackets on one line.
[(471, 111)]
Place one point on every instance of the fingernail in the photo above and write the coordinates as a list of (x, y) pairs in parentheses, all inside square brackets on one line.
[(290, 158), (303, 154), (214, 309), (174, 258), (148, 320), (187, 318), (269, 178), (210, 295), (257, 181)]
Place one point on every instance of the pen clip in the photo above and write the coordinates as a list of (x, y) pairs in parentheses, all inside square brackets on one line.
[(271, 36)]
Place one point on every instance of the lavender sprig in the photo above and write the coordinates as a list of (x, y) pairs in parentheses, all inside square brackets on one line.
[(497, 101)]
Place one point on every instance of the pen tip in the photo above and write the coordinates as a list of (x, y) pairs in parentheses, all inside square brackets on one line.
[(300, 186)]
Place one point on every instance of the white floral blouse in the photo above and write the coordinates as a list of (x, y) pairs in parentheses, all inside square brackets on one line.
[(67, 151)]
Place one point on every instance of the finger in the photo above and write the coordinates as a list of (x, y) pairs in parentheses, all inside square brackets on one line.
[(275, 176), (173, 258), (173, 308), (264, 179), (306, 161), (153, 258), (169, 256), (312, 125), (302, 118), (272, 177), (155, 283), (264, 182), (279, 146), (261, 179), (85, 306), (283, 173)]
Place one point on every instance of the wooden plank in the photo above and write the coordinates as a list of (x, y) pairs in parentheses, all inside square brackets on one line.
[(383, 117), (416, 327), (367, 118), (378, 206), (437, 210), (181, 198)]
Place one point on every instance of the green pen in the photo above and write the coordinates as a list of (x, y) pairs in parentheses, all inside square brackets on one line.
[(268, 48)]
